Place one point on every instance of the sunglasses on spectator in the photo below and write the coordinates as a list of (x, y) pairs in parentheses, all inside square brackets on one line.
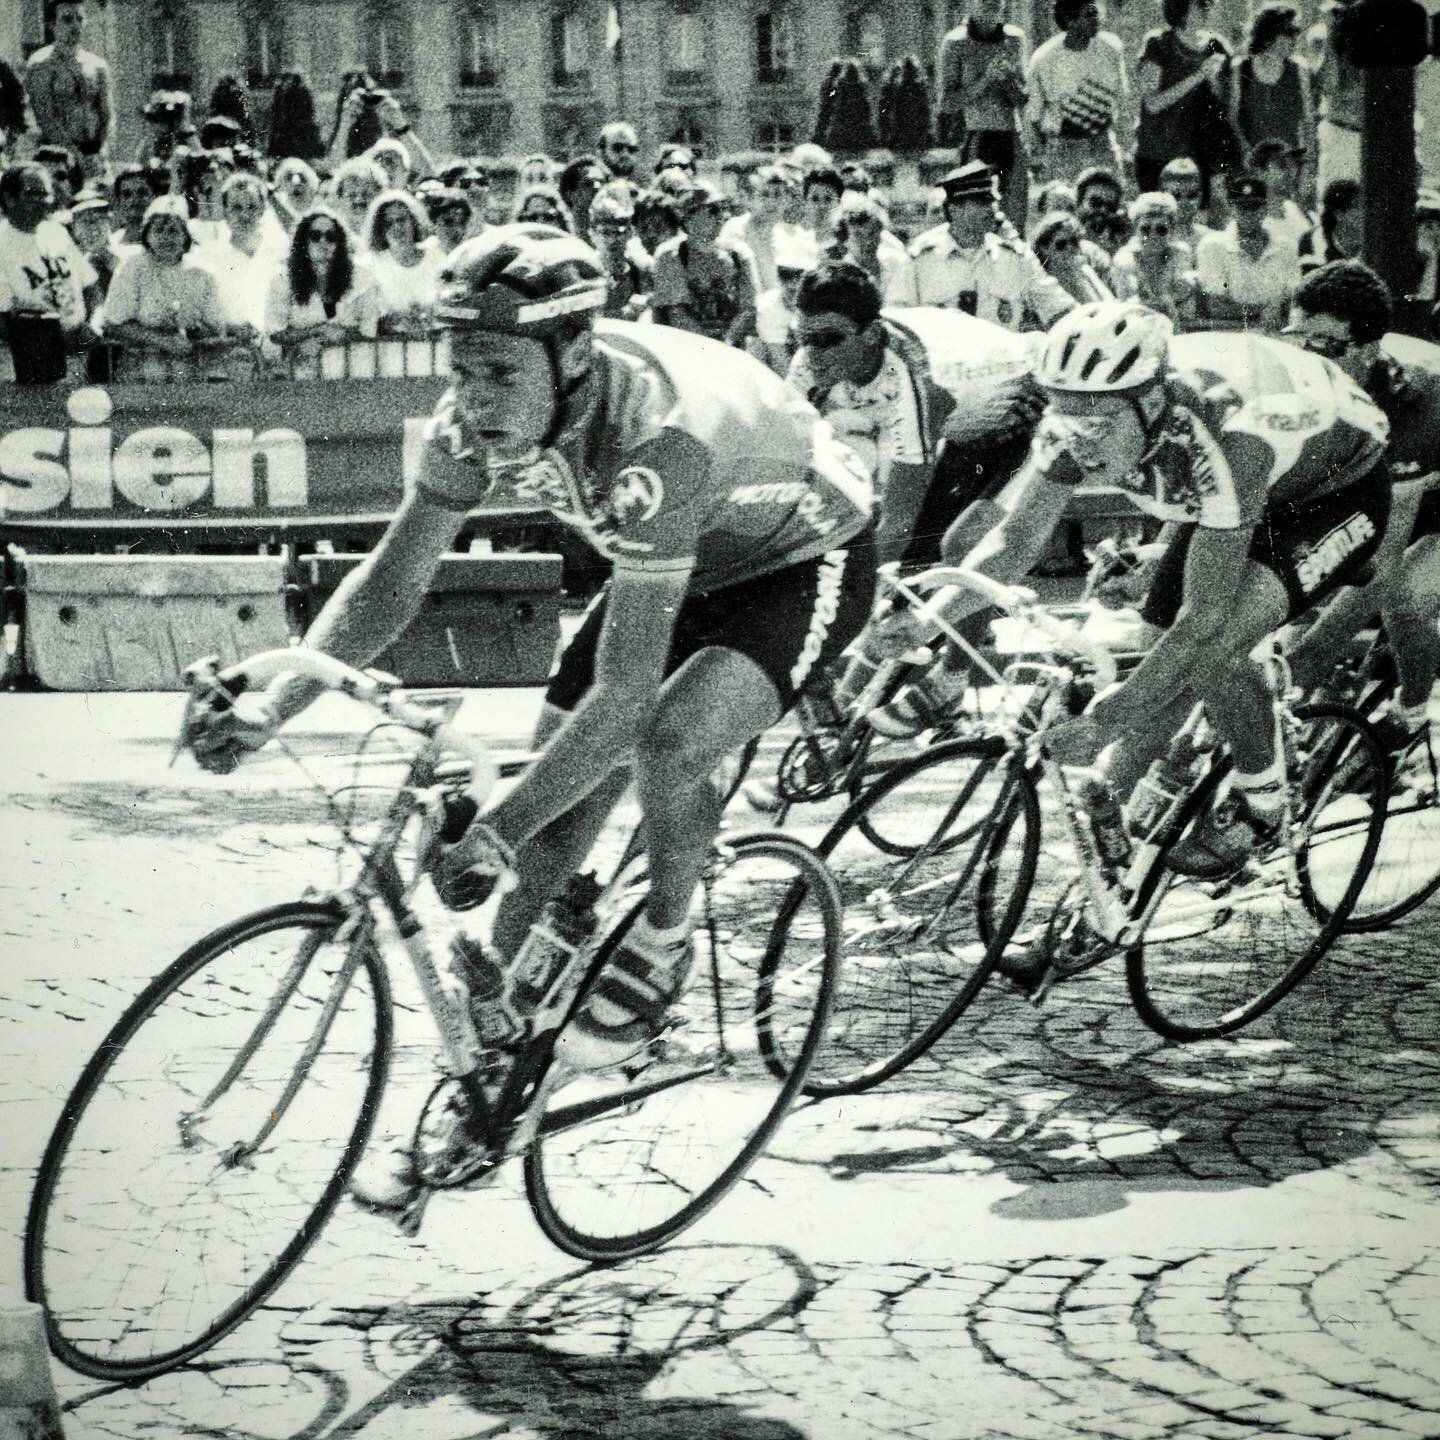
[(824, 339), (1328, 347), (474, 182), (611, 227), (624, 145), (1153, 229), (544, 217), (328, 235)]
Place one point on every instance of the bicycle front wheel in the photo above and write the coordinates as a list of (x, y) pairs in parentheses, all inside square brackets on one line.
[(929, 908), (627, 1159), (1217, 955), (207, 1141)]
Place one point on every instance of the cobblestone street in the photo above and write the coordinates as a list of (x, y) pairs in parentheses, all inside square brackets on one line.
[(1055, 1225)]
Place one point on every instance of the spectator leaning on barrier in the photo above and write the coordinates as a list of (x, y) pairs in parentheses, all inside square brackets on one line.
[(1338, 235), (405, 272), (982, 95), (321, 296), (702, 285), (1156, 267), (1078, 84), (42, 271), (1245, 275), (242, 261), (612, 230), (964, 264), (69, 91), (619, 148), (761, 228), (162, 308), (1059, 245)]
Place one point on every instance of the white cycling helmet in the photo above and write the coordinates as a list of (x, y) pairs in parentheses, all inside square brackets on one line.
[(1103, 348)]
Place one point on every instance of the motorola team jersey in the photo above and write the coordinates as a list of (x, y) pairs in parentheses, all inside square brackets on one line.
[(1251, 422), (677, 452), (1406, 386)]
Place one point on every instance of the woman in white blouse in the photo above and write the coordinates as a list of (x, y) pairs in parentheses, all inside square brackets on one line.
[(322, 296), (404, 268)]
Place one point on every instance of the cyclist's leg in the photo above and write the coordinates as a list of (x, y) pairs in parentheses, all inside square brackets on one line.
[(1410, 616)]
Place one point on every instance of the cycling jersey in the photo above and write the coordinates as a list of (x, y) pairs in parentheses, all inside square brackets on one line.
[(880, 420), (675, 452), (1251, 422), (1405, 384)]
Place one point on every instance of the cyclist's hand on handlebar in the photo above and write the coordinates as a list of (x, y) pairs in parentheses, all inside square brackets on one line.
[(222, 724), (1123, 592), (1076, 741)]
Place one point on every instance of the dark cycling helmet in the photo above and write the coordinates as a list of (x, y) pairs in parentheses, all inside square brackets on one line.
[(525, 279), (1105, 348)]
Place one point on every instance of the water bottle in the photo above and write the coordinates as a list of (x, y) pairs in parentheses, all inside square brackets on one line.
[(1107, 821), (555, 939), (496, 1024), (1162, 782)]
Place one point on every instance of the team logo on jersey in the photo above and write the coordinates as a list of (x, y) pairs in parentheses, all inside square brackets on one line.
[(1004, 312), (635, 497), (1314, 564)]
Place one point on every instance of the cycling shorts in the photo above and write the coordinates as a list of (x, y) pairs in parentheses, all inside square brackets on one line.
[(791, 623), (1314, 547)]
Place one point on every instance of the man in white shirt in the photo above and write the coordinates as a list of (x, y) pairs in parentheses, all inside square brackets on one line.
[(965, 265), (1245, 274), (762, 229), (42, 270), (244, 258), (1078, 86)]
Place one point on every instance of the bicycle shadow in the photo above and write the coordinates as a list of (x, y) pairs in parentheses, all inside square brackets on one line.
[(1081, 1107), (592, 1353)]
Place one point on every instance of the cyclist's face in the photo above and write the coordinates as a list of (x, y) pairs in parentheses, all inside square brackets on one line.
[(1102, 432), (1329, 335), (504, 388), (834, 345)]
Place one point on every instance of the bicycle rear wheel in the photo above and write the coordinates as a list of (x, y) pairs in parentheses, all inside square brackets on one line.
[(628, 1159), (186, 1177), (1216, 956), (923, 930)]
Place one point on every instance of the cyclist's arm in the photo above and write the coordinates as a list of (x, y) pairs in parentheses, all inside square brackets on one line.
[(1213, 567), (374, 603), (600, 735), (906, 487)]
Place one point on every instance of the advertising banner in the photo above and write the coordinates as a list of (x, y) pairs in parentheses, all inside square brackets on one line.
[(235, 459)]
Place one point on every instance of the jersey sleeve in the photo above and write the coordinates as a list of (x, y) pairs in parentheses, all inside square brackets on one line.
[(652, 513)]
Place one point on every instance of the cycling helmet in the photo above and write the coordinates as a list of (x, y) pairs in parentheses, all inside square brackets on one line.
[(521, 279), (1104, 348)]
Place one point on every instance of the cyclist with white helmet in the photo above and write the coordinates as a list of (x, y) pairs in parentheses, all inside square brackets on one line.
[(1271, 463), (739, 532)]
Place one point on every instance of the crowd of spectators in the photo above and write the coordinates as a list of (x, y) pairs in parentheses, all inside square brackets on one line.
[(1200, 181)]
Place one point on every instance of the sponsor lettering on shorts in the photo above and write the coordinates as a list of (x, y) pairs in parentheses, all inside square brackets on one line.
[(822, 617), (1317, 563)]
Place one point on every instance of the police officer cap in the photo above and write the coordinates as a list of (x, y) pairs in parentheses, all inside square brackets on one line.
[(975, 180)]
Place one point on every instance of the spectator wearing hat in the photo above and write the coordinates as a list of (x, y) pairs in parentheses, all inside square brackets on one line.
[(1268, 88), (982, 98), (1279, 166), (612, 230), (42, 270), (473, 180), (1246, 275), (1339, 234), (90, 229), (701, 283), (618, 147), (163, 309), (963, 264), (776, 315), (296, 185), (393, 161), (69, 91), (1078, 86), (763, 227), (1155, 266)]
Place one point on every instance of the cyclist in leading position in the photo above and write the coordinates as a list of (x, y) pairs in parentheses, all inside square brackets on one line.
[(740, 534), (1271, 463)]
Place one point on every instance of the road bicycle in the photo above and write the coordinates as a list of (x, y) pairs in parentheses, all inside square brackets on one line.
[(929, 922), (215, 1129), (1406, 872)]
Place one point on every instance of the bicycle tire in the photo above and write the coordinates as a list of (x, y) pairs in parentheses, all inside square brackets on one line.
[(636, 1157), (77, 1331), (890, 1004), (1221, 983)]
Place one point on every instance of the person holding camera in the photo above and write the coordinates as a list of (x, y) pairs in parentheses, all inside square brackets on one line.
[(69, 91), (367, 115)]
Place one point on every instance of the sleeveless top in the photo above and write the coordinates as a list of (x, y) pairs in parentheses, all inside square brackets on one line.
[(1269, 112), (1165, 135)]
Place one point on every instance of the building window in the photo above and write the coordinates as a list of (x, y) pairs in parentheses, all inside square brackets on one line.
[(686, 45), (690, 131), (171, 39), (774, 47), (774, 133), (479, 45), (386, 33), (570, 47), (865, 37), (263, 24)]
